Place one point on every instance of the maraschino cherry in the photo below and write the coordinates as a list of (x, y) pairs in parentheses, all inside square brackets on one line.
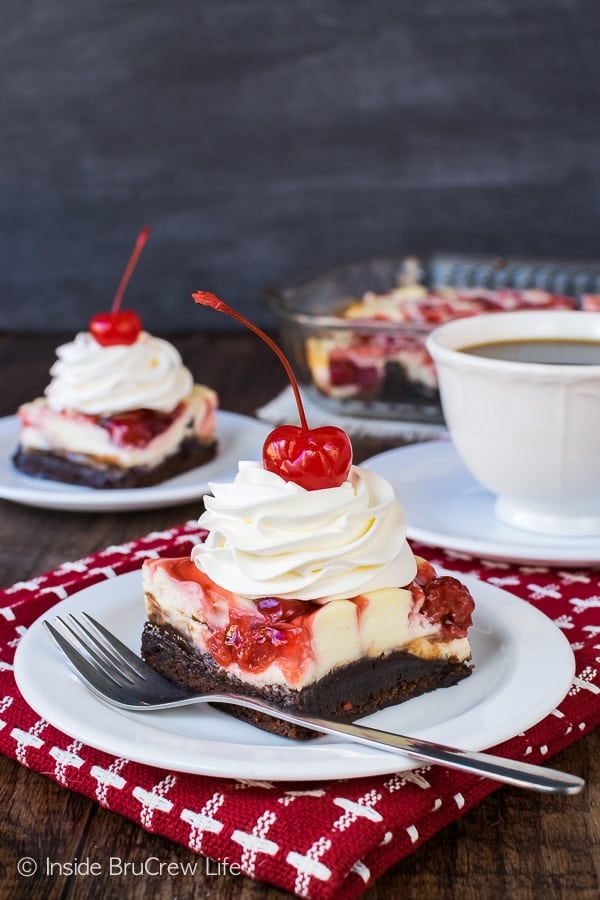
[(313, 458), (120, 326)]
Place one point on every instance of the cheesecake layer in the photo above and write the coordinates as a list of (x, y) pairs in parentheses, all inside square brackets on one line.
[(137, 438), (139, 448), (294, 643)]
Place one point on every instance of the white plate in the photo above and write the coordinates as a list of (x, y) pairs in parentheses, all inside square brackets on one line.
[(240, 437), (524, 667), (446, 507)]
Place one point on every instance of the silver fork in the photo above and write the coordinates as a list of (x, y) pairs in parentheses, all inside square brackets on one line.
[(122, 679)]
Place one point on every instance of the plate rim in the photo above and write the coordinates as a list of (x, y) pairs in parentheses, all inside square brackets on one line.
[(328, 761), (526, 550), (73, 498)]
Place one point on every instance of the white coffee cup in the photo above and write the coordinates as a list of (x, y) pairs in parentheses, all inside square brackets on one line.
[(528, 432)]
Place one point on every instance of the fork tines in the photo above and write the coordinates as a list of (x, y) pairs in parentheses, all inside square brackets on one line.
[(88, 643)]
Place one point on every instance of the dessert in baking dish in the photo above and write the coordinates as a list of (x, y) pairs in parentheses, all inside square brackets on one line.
[(388, 365), (121, 409), (305, 591)]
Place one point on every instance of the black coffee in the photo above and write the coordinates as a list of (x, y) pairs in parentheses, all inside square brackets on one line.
[(551, 351)]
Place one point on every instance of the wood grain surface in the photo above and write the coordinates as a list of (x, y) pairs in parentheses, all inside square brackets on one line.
[(515, 844)]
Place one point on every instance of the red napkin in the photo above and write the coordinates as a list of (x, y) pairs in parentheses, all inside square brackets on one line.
[(319, 840)]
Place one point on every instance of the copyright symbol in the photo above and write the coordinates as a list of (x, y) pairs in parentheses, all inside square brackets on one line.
[(27, 866)]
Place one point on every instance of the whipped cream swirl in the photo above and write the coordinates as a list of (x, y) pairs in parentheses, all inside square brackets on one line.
[(96, 380), (271, 538)]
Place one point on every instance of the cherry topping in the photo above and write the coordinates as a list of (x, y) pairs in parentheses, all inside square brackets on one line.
[(311, 458), (448, 602), (120, 326)]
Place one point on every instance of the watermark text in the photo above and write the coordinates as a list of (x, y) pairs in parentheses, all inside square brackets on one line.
[(116, 866)]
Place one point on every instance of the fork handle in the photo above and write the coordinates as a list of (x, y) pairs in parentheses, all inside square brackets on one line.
[(513, 772)]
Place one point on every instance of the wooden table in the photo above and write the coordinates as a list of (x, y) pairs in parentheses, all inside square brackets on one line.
[(516, 844)]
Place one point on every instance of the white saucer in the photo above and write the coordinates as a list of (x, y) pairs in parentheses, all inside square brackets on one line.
[(446, 507), (524, 666), (240, 437)]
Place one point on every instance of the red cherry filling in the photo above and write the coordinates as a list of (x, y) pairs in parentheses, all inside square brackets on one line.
[(311, 458), (120, 326), (137, 427), (448, 602), (343, 371), (111, 328), (314, 459), (443, 599), (254, 642)]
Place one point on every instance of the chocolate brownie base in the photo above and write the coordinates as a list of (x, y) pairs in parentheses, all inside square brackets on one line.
[(345, 694), (82, 470)]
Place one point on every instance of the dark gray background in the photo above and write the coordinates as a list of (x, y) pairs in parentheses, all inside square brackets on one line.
[(265, 138)]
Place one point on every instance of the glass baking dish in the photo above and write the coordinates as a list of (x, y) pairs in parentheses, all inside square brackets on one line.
[(355, 335)]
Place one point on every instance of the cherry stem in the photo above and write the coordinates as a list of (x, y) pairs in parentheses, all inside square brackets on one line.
[(133, 259), (205, 298)]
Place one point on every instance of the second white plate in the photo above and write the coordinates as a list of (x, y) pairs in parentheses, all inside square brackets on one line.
[(446, 507), (523, 668), (240, 437)]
